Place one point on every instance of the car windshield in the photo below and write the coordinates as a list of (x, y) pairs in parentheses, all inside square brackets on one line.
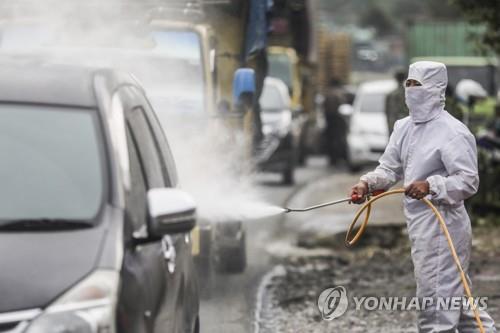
[(372, 103), (51, 165), (281, 68), (173, 76), (172, 83), (271, 99)]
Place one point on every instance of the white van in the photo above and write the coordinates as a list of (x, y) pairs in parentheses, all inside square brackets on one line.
[(368, 132)]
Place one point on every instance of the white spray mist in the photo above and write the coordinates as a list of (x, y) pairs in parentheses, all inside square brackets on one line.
[(212, 161), (214, 168)]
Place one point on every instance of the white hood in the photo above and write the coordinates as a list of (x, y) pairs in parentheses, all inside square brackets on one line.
[(426, 102)]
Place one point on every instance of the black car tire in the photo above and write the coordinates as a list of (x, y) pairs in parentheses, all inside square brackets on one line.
[(354, 168), (233, 260), (289, 176), (302, 156), (302, 151), (206, 267), (207, 279), (197, 325)]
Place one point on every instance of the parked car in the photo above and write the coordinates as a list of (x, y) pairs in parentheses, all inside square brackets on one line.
[(281, 134), (181, 84), (368, 133), (94, 234)]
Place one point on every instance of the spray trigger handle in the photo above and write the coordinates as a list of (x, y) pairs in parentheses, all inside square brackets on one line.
[(377, 192), (356, 197)]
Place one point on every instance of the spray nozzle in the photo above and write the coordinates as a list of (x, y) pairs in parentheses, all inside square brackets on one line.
[(354, 197)]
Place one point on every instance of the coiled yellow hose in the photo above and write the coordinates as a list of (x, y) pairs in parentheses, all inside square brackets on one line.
[(367, 206)]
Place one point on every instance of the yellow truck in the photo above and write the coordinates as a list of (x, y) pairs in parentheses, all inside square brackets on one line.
[(219, 245)]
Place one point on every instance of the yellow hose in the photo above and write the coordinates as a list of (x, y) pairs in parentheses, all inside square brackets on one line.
[(368, 206)]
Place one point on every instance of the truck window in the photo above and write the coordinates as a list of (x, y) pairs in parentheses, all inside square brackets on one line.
[(280, 67), (168, 62), (272, 99)]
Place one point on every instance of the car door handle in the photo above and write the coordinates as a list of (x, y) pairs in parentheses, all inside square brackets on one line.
[(169, 253)]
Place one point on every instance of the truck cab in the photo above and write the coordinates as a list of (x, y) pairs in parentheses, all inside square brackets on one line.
[(219, 245)]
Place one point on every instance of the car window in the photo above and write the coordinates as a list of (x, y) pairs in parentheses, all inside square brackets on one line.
[(168, 165), (52, 166), (147, 151), (136, 198), (372, 103)]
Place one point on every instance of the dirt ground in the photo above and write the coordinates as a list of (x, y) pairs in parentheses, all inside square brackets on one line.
[(380, 267)]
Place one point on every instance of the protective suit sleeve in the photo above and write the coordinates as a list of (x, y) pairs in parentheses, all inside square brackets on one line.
[(390, 169), (459, 157)]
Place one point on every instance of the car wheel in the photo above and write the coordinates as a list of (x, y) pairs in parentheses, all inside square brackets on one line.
[(205, 265), (301, 159), (233, 260), (207, 280), (197, 325), (354, 168), (288, 176), (301, 153)]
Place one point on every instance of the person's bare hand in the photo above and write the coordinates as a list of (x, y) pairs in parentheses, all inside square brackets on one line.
[(417, 189), (359, 191)]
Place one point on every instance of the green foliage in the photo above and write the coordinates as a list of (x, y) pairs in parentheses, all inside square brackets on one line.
[(484, 12)]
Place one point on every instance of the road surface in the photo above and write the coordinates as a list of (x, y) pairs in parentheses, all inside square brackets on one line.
[(232, 305), (231, 309)]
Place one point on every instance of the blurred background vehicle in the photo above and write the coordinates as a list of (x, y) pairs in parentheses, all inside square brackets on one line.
[(293, 56), (284, 65), (281, 130), (181, 84), (94, 232), (368, 132)]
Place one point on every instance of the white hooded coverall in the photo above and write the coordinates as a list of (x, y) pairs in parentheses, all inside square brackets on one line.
[(432, 145)]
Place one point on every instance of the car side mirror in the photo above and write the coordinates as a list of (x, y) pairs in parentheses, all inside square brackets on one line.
[(244, 88), (171, 211), (346, 110)]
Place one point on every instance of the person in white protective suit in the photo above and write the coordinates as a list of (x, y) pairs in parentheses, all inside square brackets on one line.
[(435, 155)]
